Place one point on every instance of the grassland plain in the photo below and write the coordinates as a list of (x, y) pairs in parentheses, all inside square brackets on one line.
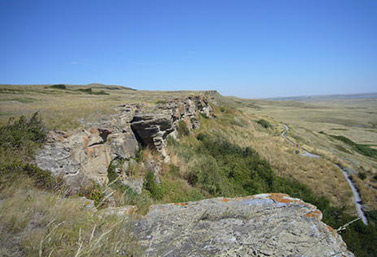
[(65, 108), (314, 123), (238, 125)]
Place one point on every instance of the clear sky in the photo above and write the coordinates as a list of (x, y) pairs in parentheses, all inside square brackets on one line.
[(247, 48)]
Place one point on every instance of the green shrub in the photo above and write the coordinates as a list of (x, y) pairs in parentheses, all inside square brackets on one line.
[(362, 175), (58, 86), (362, 149), (264, 123), (183, 130), (22, 132), (19, 140), (86, 90), (91, 92), (201, 137), (151, 185)]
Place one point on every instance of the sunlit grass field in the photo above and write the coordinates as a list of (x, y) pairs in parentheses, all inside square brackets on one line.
[(208, 162), (313, 124)]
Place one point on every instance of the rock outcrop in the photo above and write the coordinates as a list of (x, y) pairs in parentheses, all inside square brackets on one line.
[(84, 155), (260, 225), (152, 129)]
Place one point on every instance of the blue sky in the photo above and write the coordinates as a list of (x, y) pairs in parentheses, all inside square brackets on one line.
[(248, 48)]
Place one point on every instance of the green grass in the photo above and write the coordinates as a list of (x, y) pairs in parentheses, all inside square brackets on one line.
[(362, 149), (221, 168)]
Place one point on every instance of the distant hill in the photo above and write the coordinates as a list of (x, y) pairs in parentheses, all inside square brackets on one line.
[(324, 97), (91, 85)]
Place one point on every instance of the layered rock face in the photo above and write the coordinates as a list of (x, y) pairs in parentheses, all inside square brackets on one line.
[(260, 225), (84, 155), (152, 129)]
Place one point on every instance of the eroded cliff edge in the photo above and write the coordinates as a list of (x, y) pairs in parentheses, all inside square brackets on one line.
[(260, 225), (84, 155)]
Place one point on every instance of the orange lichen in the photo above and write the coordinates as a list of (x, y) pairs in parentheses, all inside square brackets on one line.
[(225, 200), (281, 198), (331, 229), (180, 204), (317, 214)]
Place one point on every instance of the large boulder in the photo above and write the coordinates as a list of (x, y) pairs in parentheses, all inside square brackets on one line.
[(260, 225)]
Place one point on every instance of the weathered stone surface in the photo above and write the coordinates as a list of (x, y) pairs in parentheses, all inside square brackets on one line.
[(77, 157), (260, 225), (136, 184), (152, 129), (84, 155)]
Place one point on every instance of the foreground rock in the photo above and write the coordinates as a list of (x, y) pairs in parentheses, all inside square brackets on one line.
[(260, 225)]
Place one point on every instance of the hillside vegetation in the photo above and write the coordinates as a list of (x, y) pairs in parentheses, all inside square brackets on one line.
[(239, 153)]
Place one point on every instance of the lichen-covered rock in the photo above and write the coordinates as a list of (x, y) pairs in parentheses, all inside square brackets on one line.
[(260, 225)]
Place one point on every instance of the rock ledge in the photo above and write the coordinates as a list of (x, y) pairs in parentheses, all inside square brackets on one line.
[(259, 225)]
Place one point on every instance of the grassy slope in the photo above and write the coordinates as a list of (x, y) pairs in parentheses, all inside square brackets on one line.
[(355, 119), (62, 109)]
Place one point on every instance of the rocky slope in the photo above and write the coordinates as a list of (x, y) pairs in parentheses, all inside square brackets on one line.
[(84, 155), (259, 225)]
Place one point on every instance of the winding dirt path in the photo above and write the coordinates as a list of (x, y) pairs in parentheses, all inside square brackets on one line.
[(355, 191)]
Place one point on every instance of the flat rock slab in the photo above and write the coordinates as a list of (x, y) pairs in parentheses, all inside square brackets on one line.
[(260, 225)]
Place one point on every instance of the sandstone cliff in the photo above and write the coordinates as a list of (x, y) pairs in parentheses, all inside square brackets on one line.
[(84, 155)]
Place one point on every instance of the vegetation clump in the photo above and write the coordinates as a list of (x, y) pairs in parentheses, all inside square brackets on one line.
[(59, 86), (221, 168), (362, 149), (264, 123), (91, 92), (18, 142), (183, 130)]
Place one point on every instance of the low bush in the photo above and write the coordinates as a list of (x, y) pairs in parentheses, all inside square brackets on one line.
[(362, 175), (362, 149), (221, 168), (264, 123), (183, 130), (91, 92), (58, 86)]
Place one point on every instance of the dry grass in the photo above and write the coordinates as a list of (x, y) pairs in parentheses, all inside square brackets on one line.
[(319, 174), (353, 118), (39, 223), (64, 109)]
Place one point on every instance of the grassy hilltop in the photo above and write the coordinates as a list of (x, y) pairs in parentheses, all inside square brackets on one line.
[(241, 152)]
